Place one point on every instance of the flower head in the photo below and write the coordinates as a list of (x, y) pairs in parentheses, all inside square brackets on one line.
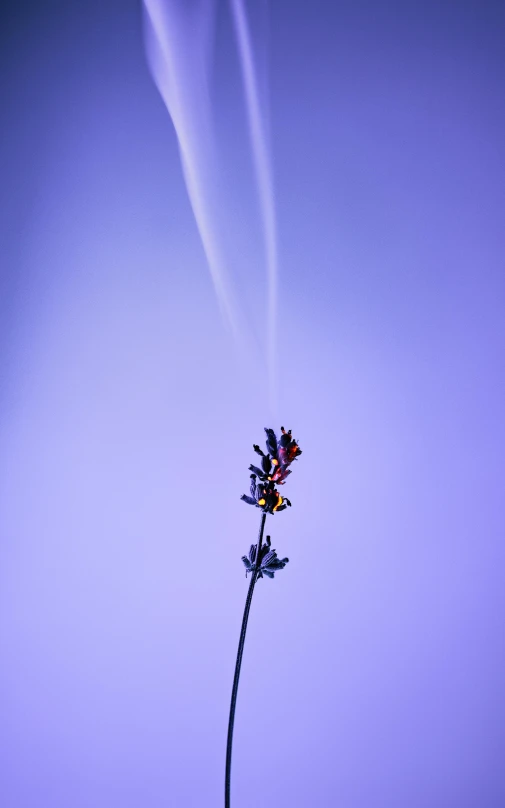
[(269, 562), (274, 471)]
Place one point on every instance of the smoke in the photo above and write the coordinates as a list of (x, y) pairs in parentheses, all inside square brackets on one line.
[(262, 164), (179, 37)]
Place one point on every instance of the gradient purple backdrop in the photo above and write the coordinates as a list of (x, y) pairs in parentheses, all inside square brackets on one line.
[(374, 666)]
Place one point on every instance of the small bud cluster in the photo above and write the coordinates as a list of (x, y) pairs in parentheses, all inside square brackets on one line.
[(269, 563)]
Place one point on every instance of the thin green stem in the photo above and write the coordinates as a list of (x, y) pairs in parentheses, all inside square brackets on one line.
[(238, 663)]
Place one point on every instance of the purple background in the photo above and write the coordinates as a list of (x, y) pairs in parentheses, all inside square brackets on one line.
[(374, 666)]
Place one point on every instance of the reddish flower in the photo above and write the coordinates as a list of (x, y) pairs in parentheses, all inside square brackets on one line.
[(288, 448)]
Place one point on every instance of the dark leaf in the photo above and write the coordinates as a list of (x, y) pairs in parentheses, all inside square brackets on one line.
[(271, 441), (266, 464)]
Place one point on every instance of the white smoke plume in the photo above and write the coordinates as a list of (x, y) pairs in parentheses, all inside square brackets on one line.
[(263, 169), (179, 38)]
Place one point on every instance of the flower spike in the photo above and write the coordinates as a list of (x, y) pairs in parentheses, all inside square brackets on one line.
[(274, 471)]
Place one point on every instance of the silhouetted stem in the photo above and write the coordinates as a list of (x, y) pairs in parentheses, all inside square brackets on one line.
[(233, 703)]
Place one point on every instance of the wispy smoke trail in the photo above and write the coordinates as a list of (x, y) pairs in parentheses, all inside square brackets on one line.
[(264, 178), (179, 37)]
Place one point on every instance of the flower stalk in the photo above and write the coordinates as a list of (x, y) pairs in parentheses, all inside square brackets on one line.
[(238, 663)]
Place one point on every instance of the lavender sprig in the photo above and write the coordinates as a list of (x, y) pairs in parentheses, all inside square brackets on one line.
[(261, 560)]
